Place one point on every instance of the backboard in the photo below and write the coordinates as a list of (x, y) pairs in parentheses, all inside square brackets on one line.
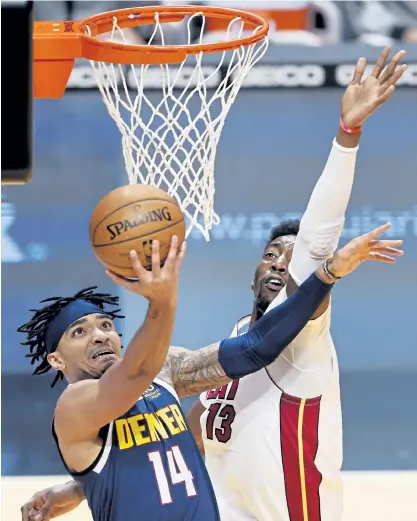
[(16, 95)]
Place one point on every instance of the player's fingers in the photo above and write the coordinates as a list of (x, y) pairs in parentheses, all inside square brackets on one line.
[(156, 258), (376, 232), (358, 72), (27, 507), (381, 258), (172, 254), (38, 515), (385, 243), (120, 281), (385, 96), (33, 514), (44, 514), (25, 511), (393, 80), (389, 71), (397, 75), (380, 64), (180, 257), (389, 251), (140, 271)]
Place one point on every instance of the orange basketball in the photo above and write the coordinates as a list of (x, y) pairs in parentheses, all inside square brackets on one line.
[(130, 218)]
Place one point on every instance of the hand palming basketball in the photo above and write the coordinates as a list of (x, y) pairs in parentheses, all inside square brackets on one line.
[(161, 283), (131, 218)]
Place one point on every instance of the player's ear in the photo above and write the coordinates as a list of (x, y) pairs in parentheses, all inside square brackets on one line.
[(55, 361), (252, 286)]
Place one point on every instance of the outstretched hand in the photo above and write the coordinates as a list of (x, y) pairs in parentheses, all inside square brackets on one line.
[(365, 248), (362, 98), (159, 284)]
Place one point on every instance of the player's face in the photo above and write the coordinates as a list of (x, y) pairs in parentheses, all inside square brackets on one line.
[(271, 274), (88, 348)]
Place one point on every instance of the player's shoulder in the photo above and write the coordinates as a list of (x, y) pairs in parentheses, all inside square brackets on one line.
[(68, 412), (67, 404), (76, 388)]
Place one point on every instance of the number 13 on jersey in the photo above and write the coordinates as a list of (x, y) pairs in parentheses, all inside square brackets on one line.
[(177, 471)]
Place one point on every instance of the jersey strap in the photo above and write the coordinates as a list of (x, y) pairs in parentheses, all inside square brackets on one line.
[(105, 434), (242, 325)]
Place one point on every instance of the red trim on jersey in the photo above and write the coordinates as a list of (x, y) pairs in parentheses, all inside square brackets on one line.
[(311, 444), (299, 471)]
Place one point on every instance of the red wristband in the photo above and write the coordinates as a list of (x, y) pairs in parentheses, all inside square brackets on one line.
[(349, 130)]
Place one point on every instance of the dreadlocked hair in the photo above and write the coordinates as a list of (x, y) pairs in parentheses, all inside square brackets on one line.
[(36, 328)]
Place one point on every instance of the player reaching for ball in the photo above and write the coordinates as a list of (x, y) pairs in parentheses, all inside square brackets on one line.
[(134, 458), (287, 416), (119, 430), (134, 215)]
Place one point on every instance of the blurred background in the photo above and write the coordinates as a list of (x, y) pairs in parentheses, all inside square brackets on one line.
[(284, 119)]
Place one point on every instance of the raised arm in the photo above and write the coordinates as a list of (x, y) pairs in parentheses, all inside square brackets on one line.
[(197, 371), (323, 220), (201, 370), (192, 372), (90, 404)]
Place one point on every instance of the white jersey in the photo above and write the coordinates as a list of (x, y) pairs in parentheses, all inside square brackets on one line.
[(274, 455)]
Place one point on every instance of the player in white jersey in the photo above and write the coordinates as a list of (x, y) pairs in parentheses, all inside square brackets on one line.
[(273, 439), (185, 372)]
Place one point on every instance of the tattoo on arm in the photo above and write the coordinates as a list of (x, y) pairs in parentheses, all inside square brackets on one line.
[(165, 373), (196, 371)]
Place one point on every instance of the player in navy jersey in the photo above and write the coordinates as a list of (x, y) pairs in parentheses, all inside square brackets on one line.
[(118, 426), (119, 430)]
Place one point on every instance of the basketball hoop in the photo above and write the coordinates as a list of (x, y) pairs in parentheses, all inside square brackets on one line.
[(169, 138)]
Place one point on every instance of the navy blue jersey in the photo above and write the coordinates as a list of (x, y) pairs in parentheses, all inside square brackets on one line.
[(149, 468)]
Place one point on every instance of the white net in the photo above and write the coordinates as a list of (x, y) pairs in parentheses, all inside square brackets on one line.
[(171, 116)]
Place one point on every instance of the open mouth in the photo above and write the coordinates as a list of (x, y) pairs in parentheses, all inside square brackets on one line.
[(103, 352), (274, 283)]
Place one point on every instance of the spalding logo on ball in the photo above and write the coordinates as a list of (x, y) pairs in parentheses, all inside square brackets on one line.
[(139, 218), (130, 218)]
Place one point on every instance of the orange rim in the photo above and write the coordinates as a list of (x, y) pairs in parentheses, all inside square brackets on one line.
[(57, 44)]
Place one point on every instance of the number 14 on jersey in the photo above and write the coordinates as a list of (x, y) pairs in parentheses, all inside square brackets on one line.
[(178, 472)]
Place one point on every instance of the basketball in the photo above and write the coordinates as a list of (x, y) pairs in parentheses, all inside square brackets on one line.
[(130, 218)]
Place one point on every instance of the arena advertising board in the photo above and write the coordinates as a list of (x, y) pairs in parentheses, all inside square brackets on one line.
[(262, 76)]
